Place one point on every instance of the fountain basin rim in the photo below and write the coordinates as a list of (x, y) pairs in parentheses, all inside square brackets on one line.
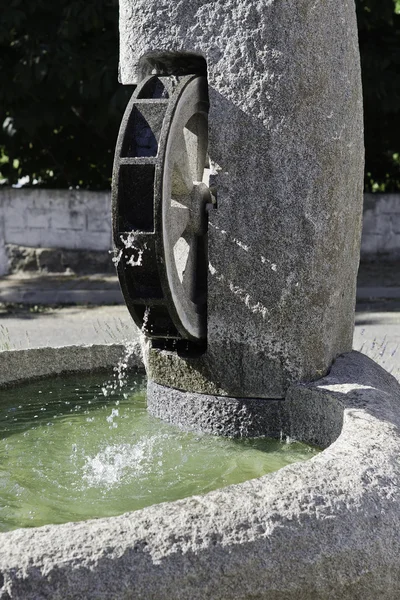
[(23, 365), (325, 528)]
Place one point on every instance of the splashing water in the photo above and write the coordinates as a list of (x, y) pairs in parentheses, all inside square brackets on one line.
[(111, 465), (119, 380), (129, 244)]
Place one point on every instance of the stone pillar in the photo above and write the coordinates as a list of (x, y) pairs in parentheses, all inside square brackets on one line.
[(286, 136)]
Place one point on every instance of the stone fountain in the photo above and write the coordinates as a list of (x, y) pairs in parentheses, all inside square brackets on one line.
[(244, 140), (258, 292)]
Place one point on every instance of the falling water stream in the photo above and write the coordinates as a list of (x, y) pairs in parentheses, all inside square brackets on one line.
[(75, 447)]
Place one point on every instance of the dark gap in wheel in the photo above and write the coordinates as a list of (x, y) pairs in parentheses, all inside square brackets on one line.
[(178, 63), (139, 138), (136, 182), (144, 286), (153, 89), (198, 127)]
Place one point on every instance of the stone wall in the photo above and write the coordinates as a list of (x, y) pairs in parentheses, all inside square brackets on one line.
[(381, 227), (80, 220), (68, 219)]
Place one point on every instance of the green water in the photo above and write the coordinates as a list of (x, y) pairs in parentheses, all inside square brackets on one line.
[(74, 448)]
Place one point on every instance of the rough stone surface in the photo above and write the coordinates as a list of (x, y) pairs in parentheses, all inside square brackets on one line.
[(17, 366), (326, 528), (286, 136), (221, 415)]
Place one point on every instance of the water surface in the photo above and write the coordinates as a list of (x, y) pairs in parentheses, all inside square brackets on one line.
[(79, 447)]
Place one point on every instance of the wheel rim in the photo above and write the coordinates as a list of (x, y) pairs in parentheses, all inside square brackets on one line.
[(184, 221)]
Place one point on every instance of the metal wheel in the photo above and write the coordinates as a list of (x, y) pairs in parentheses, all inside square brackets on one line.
[(160, 194)]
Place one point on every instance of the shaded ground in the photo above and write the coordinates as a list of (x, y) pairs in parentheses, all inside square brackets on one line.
[(379, 274), (60, 289), (377, 328), (375, 280)]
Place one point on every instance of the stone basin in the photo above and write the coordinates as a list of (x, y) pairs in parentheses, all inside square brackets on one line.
[(325, 528)]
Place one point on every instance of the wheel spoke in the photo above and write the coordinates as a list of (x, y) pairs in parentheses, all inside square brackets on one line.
[(182, 180), (181, 255), (178, 221)]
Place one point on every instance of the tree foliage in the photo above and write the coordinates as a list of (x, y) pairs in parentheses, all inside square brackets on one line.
[(60, 103), (379, 37), (61, 106)]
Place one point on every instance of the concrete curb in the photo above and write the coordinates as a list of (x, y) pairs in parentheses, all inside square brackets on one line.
[(57, 296), (366, 293)]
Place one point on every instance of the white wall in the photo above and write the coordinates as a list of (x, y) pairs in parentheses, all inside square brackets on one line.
[(81, 220), (70, 219), (381, 226)]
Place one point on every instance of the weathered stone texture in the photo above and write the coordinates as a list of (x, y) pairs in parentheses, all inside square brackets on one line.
[(232, 417), (323, 529), (286, 134), (24, 365)]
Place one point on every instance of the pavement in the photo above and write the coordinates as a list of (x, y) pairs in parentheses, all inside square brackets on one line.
[(53, 289), (24, 327), (59, 310), (377, 333)]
